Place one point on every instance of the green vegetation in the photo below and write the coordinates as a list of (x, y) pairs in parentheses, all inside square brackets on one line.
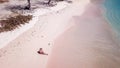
[(14, 22), (2, 1)]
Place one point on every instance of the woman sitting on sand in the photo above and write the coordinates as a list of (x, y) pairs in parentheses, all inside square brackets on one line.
[(42, 52)]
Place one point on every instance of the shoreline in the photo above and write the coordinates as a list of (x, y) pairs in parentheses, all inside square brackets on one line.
[(76, 37), (90, 43)]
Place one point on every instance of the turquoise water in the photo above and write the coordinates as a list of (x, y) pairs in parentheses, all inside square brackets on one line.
[(113, 13)]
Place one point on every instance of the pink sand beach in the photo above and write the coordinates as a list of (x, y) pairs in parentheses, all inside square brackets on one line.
[(75, 37), (89, 43)]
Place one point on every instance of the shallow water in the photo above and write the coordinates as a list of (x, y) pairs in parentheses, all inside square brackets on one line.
[(112, 14)]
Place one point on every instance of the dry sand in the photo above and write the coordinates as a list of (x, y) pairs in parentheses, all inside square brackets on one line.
[(22, 52)]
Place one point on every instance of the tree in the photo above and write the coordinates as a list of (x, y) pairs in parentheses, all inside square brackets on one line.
[(29, 5), (49, 1)]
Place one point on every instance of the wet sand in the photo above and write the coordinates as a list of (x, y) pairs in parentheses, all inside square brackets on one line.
[(89, 43)]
